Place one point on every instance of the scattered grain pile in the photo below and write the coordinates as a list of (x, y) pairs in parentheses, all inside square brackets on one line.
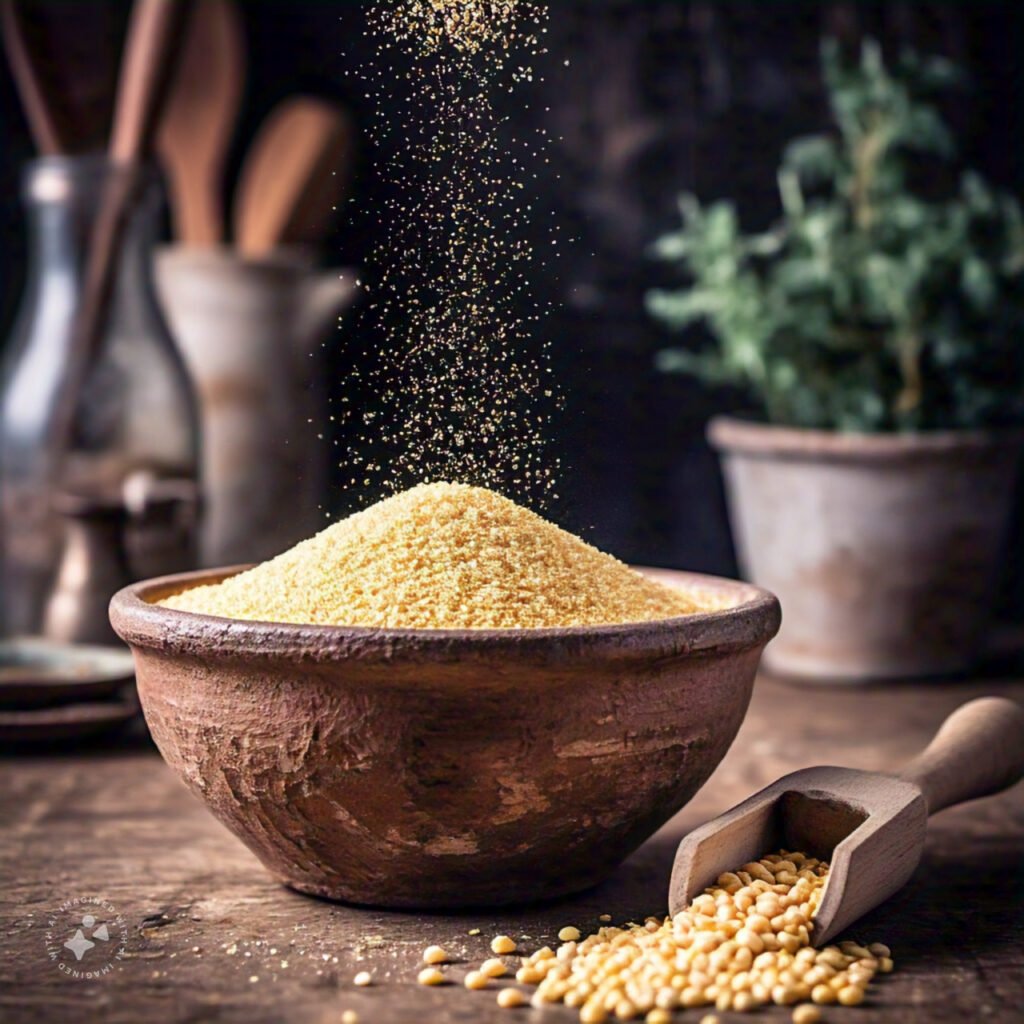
[(742, 944), (440, 556)]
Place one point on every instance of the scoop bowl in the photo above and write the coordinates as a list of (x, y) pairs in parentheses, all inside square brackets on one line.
[(444, 768)]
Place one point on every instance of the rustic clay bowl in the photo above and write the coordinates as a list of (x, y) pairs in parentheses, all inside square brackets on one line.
[(443, 768)]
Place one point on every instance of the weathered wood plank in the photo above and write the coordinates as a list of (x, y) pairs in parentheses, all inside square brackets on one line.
[(203, 918)]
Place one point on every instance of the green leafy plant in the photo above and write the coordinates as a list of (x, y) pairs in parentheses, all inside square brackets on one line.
[(873, 304)]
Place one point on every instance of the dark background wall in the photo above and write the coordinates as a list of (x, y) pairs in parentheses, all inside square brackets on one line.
[(658, 97)]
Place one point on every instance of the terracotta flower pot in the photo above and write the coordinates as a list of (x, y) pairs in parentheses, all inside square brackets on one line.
[(441, 768), (884, 549)]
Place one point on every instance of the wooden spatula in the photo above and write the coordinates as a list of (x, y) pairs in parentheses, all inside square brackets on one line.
[(199, 119), (870, 826), (293, 176)]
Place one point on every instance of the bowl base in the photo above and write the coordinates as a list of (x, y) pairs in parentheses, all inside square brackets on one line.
[(447, 901)]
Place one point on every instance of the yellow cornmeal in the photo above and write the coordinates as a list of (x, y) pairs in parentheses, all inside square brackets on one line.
[(440, 556)]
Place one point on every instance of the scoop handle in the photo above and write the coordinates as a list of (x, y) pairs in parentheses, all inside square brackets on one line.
[(978, 750)]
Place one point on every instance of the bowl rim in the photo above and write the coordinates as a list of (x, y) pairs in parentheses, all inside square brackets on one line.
[(750, 622)]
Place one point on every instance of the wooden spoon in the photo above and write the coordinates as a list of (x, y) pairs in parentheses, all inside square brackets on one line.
[(294, 175), (870, 826), (153, 35), (199, 119), (43, 120)]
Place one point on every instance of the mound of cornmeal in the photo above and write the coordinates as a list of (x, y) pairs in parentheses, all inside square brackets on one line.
[(441, 556)]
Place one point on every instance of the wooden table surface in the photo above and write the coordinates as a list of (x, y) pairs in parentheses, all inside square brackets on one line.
[(211, 937)]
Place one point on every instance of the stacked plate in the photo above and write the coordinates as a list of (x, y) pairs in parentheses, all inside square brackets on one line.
[(51, 692)]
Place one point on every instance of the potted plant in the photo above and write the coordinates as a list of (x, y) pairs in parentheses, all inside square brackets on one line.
[(879, 325)]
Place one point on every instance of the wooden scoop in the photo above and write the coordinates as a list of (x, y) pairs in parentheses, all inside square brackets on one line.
[(870, 826)]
